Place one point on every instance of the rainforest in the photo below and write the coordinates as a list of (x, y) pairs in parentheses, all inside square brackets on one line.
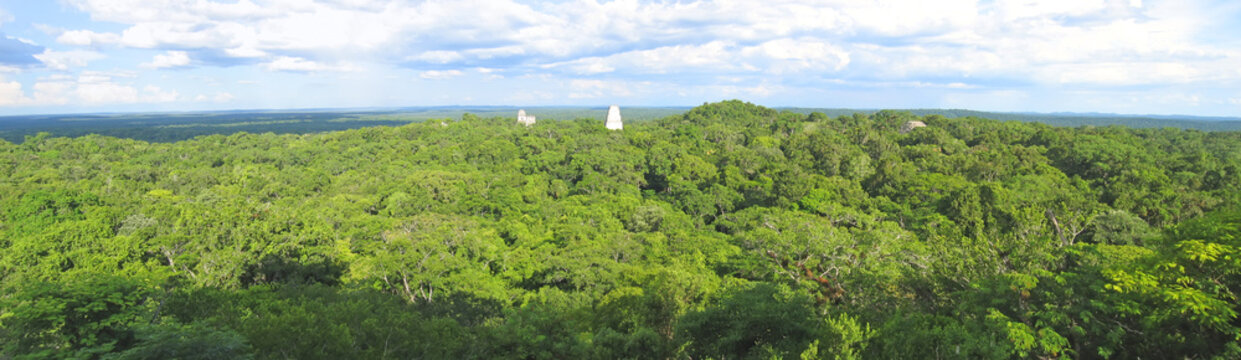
[(731, 231)]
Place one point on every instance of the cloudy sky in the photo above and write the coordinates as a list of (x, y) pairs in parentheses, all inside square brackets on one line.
[(1123, 56)]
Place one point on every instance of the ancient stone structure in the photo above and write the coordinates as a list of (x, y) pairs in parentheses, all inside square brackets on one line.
[(911, 125), (614, 118), (524, 119)]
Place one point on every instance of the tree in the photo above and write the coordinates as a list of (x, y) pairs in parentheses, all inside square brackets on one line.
[(83, 317), (431, 253), (751, 321), (1189, 287)]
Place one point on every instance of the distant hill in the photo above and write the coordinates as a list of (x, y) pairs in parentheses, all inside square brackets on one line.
[(167, 127), (543, 112), (1064, 119)]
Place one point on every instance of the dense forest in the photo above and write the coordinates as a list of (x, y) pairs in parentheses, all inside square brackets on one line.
[(170, 127), (1066, 119), (731, 231), (158, 127)]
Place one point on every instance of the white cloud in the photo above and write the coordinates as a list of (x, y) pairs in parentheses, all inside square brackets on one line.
[(107, 92), (587, 66), (793, 55), (88, 88), (904, 62), (99, 89), (1072, 43), (123, 11), (593, 37), (776, 57), (87, 38), (151, 93), (249, 29), (245, 51), (491, 73), (297, 64), (286, 63), (439, 74), (64, 60), (53, 91), (691, 45), (1022, 9), (996, 100), (11, 93), (169, 59), (437, 56), (591, 89), (185, 35), (715, 55), (220, 97), (495, 52), (902, 17), (1124, 73)]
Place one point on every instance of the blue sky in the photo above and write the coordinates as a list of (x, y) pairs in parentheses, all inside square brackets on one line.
[(1123, 56)]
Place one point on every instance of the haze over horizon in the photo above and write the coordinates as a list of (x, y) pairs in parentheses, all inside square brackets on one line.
[(1125, 57)]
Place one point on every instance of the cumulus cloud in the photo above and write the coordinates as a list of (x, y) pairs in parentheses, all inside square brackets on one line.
[(862, 39), (711, 56), (99, 88), (440, 74), (220, 97), (11, 93), (87, 38), (898, 18), (698, 47), (436, 56), (591, 89), (297, 64), (53, 91), (778, 56), (1024, 9), (793, 55), (1136, 73), (64, 60), (88, 88), (169, 59)]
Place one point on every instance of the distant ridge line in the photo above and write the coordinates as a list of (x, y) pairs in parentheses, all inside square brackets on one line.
[(174, 126), (1058, 119), (951, 112)]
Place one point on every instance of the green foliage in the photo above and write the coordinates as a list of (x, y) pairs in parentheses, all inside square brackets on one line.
[(1121, 228), (431, 253), (729, 231), (314, 322), (184, 342), (78, 318), (752, 321), (929, 336), (1189, 287)]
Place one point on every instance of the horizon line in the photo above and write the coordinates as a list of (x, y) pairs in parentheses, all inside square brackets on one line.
[(375, 109)]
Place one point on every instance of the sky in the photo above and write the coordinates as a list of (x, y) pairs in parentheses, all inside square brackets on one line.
[(1114, 56)]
